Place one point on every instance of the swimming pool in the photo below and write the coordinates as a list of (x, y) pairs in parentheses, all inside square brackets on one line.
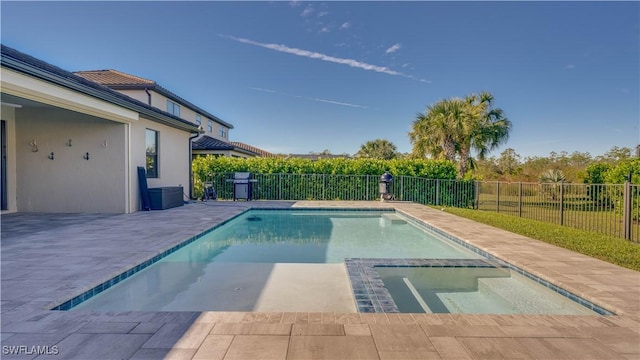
[(230, 268)]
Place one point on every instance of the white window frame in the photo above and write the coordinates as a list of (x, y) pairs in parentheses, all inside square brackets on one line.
[(173, 108)]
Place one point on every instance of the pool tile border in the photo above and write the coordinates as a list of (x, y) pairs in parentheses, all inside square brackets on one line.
[(576, 298), (372, 296), (69, 304)]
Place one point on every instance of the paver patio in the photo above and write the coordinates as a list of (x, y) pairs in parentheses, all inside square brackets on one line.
[(50, 258)]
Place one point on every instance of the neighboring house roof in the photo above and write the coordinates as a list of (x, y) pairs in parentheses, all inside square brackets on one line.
[(254, 149), (29, 65), (207, 143), (118, 80), (318, 156)]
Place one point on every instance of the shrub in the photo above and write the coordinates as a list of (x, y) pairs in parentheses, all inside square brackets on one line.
[(338, 185)]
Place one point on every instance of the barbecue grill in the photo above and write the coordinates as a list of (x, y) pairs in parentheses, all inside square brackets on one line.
[(242, 185)]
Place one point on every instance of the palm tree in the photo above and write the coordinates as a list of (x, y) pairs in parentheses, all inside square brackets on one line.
[(378, 149), (435, 132), (550, 181), (485, 129), (452, 128)]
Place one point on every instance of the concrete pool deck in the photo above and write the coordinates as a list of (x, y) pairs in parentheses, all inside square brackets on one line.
[(50, 258)]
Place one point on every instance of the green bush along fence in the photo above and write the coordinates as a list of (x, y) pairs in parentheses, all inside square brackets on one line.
[(611, 209), (347, 187)]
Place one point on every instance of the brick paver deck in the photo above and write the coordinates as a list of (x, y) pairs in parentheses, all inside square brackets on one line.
[(50, 258)]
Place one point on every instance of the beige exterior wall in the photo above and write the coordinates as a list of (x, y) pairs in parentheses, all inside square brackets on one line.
[(8, 114), (113, 136), (139, 95), (70, 183), (173, 157), (160, 101)]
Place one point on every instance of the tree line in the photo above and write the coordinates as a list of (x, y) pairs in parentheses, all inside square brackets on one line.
[(454, 129)]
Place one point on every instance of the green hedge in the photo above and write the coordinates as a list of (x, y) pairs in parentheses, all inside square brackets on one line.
[(335, 178), (431, 169)]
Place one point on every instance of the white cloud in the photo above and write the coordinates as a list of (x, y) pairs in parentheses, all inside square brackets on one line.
[(319, 56), (570, 66), (323, 13), (334, 102), (345, 25), (393, 48), (264, 90), (294, 3), (325, 30), (307, 11)]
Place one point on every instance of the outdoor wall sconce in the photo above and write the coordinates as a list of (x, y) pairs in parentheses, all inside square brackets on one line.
[(86, 156), (34, 146), (51, 156), (69, 143), (104, 144)]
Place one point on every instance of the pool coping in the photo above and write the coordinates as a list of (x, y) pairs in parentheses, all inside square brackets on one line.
[(96, 290), (35, 274), (370, 294)]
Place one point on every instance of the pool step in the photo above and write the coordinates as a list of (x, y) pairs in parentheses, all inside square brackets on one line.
[(417, 295), (395, 219)]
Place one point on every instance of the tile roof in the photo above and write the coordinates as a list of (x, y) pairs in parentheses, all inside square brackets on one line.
[(118, 80), (254, 149), (314, 157), (208, 143), (113, 77), (27, 64)]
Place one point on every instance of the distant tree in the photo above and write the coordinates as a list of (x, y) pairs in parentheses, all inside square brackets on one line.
[(452, 129), (378, 149), (615, 154), (552, 176), (509, 162), (550, 182)]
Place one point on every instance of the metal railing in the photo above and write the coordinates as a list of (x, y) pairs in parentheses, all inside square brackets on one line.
[(611, 209)]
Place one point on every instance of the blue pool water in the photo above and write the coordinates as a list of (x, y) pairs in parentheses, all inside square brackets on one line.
[(228, 268), (317, 237)]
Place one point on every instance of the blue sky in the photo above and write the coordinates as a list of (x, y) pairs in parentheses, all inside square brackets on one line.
[(296, 77)]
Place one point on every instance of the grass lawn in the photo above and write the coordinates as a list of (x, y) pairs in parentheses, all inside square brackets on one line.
[(608, 248)]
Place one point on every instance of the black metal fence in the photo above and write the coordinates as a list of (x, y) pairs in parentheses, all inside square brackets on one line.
[(612, 209)]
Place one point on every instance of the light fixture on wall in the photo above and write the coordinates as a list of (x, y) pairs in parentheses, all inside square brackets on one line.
[(86, 156), (34, 145), (51, 156), (105, 144), (68, 143)]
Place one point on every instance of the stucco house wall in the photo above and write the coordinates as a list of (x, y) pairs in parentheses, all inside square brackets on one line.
[(69, 182), (7, 114), (53, 119)]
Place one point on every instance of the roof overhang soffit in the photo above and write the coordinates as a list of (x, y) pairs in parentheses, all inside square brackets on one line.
[(28, 87)]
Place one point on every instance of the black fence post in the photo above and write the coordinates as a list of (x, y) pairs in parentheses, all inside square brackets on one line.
[(520, 199), (562, 203), (476, 202), (627, 211), (497, 196)]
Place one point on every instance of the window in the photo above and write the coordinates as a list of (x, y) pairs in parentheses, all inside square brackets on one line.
[(210, 125), (151, 144), (223, 132), (173, 108), (198, 119)]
